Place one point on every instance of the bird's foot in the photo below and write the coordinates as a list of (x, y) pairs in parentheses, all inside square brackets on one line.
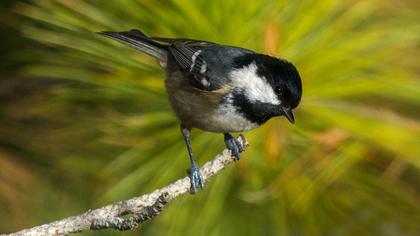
[(234, 146), (196, 178)]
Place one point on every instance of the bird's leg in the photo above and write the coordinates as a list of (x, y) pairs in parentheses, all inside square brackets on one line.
[(233, 145), (194, 172)]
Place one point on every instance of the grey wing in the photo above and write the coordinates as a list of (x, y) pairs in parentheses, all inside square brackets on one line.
[(206, 65)]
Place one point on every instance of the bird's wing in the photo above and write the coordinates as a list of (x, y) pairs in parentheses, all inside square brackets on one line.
[(190, 57), (189, 54), (203, 63)]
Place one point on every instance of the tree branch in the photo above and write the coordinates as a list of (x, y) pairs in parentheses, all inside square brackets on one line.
[(128, 214)]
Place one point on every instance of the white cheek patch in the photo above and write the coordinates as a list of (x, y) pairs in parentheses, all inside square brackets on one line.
[(256, 88)]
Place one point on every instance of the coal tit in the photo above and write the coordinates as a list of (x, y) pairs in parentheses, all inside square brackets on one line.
[(219, 88)]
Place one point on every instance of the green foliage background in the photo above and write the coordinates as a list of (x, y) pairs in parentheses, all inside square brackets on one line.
[(85, 121)]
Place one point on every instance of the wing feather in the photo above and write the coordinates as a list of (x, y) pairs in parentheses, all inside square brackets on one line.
[(188, 54)]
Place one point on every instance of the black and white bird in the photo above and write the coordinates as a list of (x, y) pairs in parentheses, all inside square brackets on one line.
[(219, 88)]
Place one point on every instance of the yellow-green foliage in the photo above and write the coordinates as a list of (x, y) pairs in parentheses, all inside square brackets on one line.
[(350, 164)]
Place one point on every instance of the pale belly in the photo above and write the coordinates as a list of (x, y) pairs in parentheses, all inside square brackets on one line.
[(196, 112), (225, 119), (203, 110)]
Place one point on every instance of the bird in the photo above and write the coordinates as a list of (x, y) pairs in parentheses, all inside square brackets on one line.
[(218, 88)]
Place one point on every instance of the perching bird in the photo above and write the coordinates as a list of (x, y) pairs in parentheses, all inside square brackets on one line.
[(219, 88)]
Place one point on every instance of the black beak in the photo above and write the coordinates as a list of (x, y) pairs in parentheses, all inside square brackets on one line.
[(289, 115)]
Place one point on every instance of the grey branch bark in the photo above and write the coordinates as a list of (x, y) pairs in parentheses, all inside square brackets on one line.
[(128, 214)]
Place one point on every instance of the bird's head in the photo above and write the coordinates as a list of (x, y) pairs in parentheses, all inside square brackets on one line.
[(266, 87)]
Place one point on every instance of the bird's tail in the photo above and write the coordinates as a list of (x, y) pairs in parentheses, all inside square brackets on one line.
[(138, 40)]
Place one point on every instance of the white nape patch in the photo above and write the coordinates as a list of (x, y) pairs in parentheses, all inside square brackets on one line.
[(203, 68), (256, 88), (193, 58), (227, 119)]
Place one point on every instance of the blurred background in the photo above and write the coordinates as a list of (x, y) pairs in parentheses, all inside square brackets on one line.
[(84, 121)]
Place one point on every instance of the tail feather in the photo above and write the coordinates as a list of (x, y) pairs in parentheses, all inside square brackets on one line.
[(138, 40)]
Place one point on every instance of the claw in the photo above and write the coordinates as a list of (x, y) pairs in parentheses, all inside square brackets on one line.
[(234, 146), (196, 178)]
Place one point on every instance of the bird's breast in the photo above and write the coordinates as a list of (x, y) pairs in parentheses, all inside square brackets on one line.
[(226, 118), (209, 111)]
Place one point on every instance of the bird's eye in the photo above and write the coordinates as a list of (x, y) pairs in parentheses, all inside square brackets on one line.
[(279, 90)]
